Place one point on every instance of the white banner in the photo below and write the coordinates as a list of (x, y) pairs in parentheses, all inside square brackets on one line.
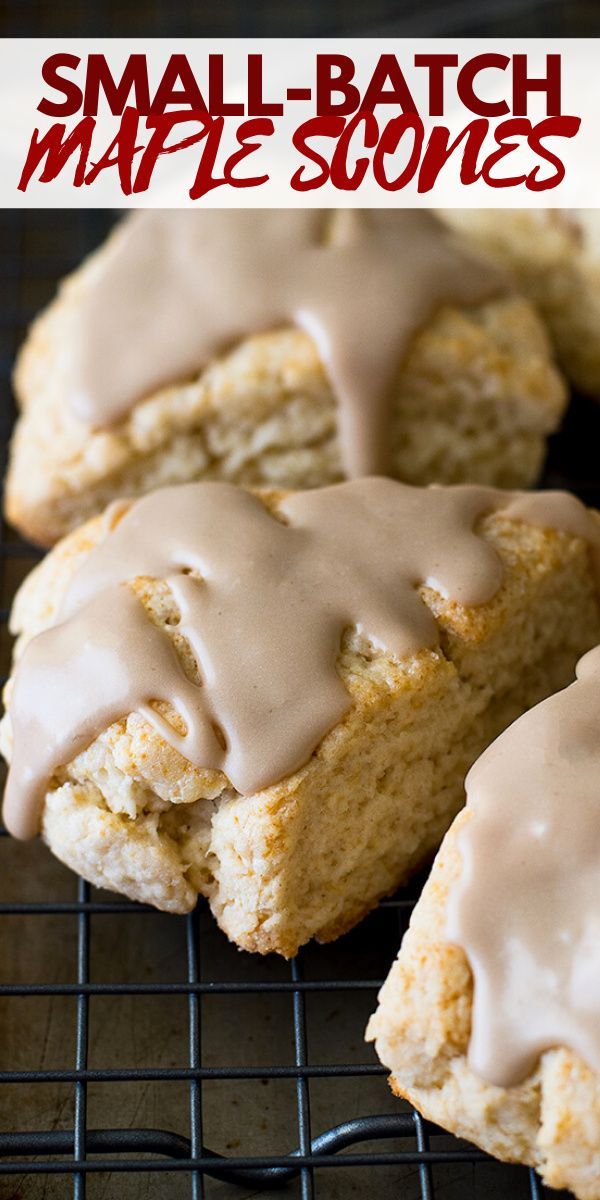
[(297, 122)]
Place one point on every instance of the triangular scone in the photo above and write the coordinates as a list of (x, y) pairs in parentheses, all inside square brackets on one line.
[(311, 854), (483, 1038), (475, 395), (554, 257)]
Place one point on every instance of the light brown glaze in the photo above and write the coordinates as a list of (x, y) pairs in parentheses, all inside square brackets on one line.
[(263, 609), (177, 288), (526, 908)]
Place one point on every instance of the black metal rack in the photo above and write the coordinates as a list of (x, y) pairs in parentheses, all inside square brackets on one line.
[(375, 1145)]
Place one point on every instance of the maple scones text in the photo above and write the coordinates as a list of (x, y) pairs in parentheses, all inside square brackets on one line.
[(376, 128)]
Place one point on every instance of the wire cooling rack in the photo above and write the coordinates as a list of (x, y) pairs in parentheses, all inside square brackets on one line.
[(134, 1044)]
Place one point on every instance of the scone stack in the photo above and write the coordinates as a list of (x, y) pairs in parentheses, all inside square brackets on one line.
[(290, 610)]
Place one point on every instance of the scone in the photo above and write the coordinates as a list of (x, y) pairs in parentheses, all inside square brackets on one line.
[(488, 1020), (278, 708), (554, 256), (288, 348)]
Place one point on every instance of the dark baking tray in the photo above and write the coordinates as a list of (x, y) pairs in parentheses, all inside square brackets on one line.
[(299, 18), (135, 1045)]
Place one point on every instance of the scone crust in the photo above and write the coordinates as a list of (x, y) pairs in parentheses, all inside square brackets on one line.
[(421, 1030), (555, 258)]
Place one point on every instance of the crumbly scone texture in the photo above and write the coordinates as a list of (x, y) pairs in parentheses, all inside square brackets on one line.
[(311, 855), (554, 256), (421, 1030), (475, 399)]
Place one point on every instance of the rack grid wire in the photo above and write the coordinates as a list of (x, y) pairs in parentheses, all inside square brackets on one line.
[(87, 1014)]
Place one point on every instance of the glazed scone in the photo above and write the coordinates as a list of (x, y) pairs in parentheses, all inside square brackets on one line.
[(554, 256), (475, 397), (422, 1028), (488, 1020), (311, 854)]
